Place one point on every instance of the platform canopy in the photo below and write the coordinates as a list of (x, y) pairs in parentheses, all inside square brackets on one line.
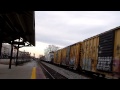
[(17, 24)]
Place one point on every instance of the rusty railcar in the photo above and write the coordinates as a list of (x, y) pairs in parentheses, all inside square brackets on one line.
[(90, 54), (55, 57), (63, 57), (75, 56), (101, 54), (108, 53), (59, 57)]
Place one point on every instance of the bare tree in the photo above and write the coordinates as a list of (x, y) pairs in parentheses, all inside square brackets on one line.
[(50, 48)]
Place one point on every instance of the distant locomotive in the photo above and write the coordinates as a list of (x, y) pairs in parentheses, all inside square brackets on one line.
[(49, 57)]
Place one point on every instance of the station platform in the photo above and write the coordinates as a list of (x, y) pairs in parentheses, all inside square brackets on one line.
[(29, 70)]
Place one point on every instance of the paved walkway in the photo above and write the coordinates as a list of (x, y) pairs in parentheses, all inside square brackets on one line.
[(30, 70)]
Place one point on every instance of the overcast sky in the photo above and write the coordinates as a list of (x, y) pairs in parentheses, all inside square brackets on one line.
[(63, 28)]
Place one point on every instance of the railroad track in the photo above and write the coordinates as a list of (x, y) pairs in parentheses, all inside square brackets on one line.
[(84, 73), (50, 73)]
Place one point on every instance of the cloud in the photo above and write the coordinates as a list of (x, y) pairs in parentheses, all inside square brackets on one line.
[(67, 27), (64, 28)]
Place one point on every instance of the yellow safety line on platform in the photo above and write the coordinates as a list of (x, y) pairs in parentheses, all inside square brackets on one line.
[(33, 76)]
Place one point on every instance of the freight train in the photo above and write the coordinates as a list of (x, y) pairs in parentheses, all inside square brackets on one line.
[(98, 55)]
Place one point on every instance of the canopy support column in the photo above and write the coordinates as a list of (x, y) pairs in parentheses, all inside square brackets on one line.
[(11, 56)]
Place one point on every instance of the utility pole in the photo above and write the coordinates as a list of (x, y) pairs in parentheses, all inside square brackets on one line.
[(34, 55)]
